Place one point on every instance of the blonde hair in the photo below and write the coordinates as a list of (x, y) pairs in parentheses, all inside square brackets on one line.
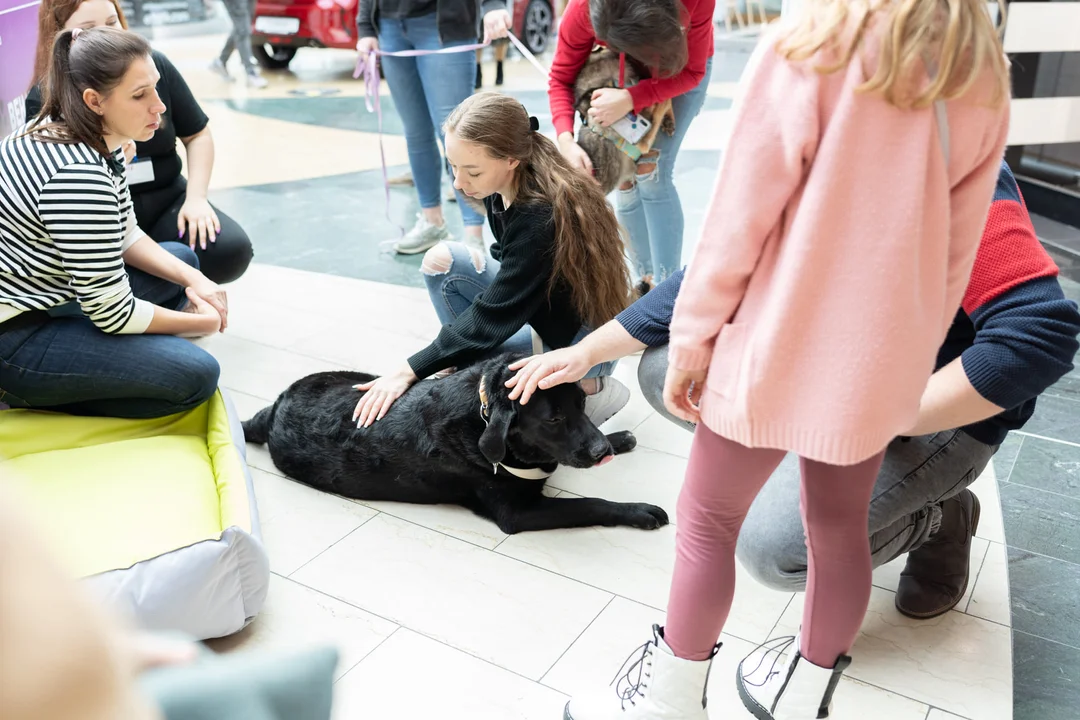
[(958, 35)]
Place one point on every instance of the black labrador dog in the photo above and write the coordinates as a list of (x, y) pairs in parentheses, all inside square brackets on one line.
[(456, 440)]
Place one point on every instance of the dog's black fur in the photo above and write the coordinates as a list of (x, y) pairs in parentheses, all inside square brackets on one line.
[(435, 447)]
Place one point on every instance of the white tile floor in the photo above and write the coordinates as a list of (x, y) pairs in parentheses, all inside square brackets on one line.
[(438, 614)]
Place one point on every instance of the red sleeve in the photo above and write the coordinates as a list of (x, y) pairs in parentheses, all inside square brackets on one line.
[(1009, 253), (699, 41), (576, 41)]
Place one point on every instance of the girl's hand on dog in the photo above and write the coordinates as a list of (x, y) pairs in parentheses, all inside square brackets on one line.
[(380, 394), (541, 372), (574, 154), (682, 393), (610, 104)]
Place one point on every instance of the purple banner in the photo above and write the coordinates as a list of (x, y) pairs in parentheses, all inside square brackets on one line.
[(18, 41)]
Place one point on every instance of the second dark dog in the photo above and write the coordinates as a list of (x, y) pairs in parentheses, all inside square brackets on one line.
[(456, 440)]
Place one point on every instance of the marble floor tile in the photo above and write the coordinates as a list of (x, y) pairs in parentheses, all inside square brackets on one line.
[(936, 714), (1042, 522), (452, 520), (412, 677), (260, 370), (516, 616), (642, 475), (955, 662), (298, 522), (989, 590), (593, 661), (1047, 679), (659, 433), (295, 617), (1048, 465), (1055, 417), (1044, 597), (637, 565)]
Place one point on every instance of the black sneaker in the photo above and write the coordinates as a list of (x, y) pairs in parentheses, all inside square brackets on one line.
[(937, 573)]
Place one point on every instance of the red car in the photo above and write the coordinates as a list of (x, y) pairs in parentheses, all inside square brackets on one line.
[(283, 26)]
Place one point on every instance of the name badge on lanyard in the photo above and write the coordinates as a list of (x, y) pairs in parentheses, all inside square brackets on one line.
[(140, 171)]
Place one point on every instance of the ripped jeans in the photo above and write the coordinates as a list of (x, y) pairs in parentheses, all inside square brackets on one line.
[(651, 210), (452, 291)]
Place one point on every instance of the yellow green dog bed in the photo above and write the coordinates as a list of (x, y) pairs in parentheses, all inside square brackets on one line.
[(158, 515)]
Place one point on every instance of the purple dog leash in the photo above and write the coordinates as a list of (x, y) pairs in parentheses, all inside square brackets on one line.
[(367, 67)]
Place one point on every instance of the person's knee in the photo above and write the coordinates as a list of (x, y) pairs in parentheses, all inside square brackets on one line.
[(182, 252), (768, 559), (199, 374), (229, 257), (652, 370), (439, 260)]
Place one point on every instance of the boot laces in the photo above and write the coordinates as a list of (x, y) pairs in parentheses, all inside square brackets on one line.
[(634, 674), (775, 648)]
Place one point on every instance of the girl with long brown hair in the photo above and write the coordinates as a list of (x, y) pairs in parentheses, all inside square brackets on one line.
[(168, 206), (556, 269)]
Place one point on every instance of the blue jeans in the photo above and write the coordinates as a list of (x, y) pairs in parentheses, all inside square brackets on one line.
[(66, 364), (453, 291), (651, 210), (425, 90)]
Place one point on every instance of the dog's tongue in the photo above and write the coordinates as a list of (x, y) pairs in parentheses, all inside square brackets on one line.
[(606, 460)]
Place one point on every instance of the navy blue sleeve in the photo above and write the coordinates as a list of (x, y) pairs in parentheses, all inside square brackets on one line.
[(1025, 341), (649, 319)]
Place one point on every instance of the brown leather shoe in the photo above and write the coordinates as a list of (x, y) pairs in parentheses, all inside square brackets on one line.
[(937, 573)]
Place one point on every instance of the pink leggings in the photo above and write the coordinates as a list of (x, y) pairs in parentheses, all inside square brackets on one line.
[(722, 479)]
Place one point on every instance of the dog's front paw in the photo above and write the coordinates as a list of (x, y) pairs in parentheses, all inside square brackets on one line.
[(622, 442), (645, 517)]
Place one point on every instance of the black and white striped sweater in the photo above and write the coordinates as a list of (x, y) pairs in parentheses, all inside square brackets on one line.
[(65, 221)]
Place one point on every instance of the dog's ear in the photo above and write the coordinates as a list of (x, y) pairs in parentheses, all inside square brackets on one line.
[(493, 441)]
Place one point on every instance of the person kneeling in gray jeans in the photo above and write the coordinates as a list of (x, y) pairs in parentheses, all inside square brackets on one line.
[(1013, 337)]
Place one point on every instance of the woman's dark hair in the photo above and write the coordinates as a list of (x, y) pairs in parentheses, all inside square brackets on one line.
[(589, 253), (650, 31), (98, 59)]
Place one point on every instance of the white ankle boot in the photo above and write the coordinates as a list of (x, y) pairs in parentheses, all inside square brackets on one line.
[(653, 684), (799, 690)]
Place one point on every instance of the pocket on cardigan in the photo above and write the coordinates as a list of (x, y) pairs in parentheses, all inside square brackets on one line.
[(727, 360)]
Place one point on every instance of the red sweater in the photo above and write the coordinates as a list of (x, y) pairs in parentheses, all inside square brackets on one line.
[(577, 39)]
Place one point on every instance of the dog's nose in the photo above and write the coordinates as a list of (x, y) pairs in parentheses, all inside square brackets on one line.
[(600, 449)]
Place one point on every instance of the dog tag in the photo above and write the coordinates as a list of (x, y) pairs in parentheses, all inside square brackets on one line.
[(140, 171)]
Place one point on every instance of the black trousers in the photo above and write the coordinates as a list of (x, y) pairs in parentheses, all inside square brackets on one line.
[(222, 261)]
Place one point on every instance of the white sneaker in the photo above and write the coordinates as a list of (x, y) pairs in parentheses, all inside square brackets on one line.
[(218, 68), (256, 81), (653, 684), (610, 399), (476, 243), (794, 689), (422, 237)]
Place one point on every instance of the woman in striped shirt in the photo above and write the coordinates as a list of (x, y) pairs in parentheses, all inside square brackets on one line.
[(92, 311)]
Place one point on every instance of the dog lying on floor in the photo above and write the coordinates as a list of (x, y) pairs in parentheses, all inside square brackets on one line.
[(456, 440), (612, 167)]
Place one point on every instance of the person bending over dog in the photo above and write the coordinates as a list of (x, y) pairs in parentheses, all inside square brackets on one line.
[(652, 37), (1014, 337), (85, 296), (167, 206), (556, 268)]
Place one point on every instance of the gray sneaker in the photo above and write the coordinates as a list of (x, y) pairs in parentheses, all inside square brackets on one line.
[(610, 399), (254, 80), (218, 68), (422, 237)]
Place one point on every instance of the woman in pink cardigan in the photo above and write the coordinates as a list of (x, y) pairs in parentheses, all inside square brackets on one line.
[(837, 247)]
